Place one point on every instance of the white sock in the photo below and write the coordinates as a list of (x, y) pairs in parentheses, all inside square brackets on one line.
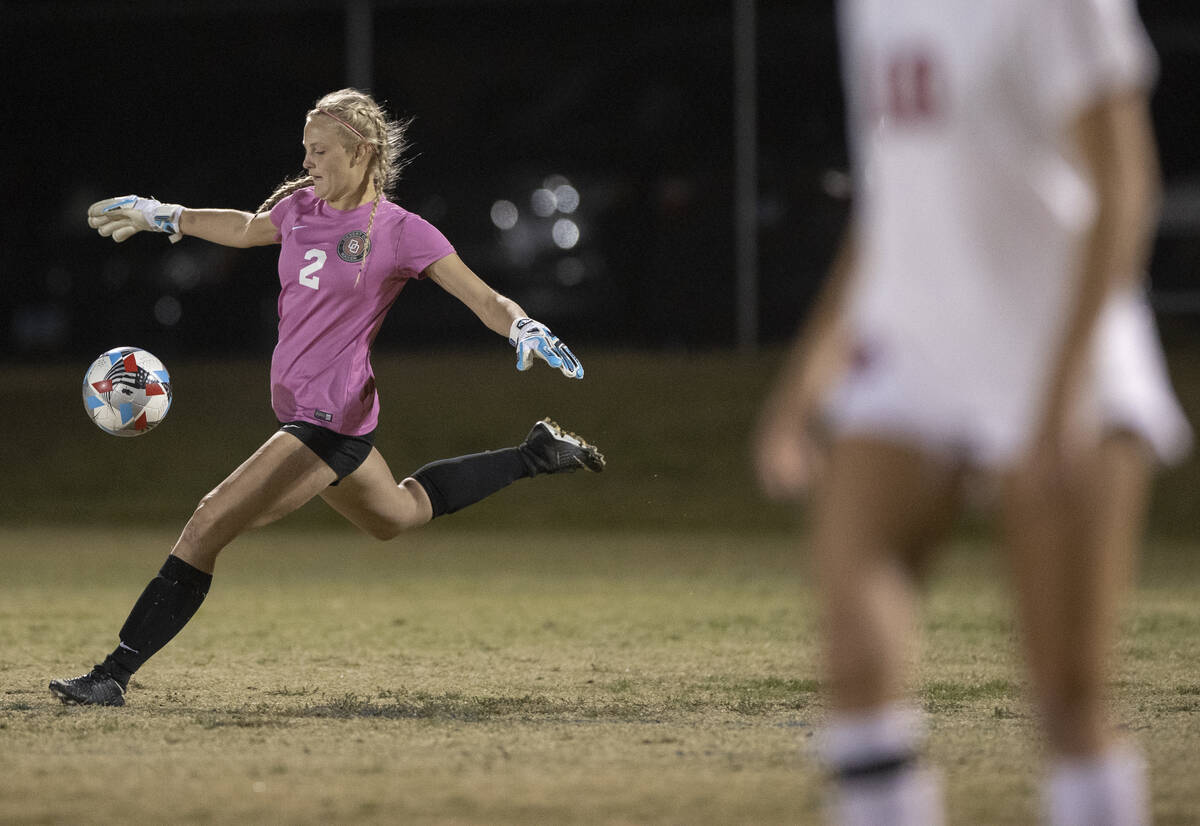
[(1107, 790), (878, 780), (909, 797)]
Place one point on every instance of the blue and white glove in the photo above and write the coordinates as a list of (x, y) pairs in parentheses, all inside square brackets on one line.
[(531, 338), (129, 214)]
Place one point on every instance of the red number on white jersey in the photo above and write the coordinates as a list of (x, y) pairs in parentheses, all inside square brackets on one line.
[(909, 88)]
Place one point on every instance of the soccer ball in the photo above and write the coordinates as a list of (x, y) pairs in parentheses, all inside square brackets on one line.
[(126, 391)]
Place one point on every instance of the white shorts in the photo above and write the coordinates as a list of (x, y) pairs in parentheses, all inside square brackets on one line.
[(954, 406), (1134, 388)]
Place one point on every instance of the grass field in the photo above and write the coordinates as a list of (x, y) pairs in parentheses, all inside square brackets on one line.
[(637, 647), (465, 677), (674, 426)]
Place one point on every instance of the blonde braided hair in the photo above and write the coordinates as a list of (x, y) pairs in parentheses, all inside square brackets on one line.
[(365, 121)]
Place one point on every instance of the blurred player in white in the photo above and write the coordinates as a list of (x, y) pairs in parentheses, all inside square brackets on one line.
[(984, 316)]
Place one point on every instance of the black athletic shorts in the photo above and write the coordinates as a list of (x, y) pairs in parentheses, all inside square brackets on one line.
[(342, 453)]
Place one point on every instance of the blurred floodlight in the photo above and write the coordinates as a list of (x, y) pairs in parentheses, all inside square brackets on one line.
[(168, 311), (570, 271), (115, 273), (837, 184), (565, 233), (434, 208), (553, 182), (41, 327), (58, 282), (504, 214), (543, 202), (520, 244), (182, 270), (567, 198)]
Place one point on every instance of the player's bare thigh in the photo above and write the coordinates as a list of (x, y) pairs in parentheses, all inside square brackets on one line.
[(279, 477), (884, 496), (371, 498), (882, 510)]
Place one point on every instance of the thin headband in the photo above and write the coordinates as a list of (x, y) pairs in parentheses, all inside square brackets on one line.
[(343, 123)]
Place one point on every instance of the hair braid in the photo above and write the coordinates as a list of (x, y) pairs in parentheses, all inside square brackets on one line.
[(283, 190), (379, 132), (362, 265)]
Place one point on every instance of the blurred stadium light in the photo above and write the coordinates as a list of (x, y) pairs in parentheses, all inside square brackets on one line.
[(698, 137)]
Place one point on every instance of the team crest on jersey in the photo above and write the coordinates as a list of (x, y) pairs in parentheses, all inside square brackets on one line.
[(353, 246)]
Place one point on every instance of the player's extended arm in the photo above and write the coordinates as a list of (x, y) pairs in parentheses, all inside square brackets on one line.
[(1116, 144), (230, 227), (504, 316), (124, 216)]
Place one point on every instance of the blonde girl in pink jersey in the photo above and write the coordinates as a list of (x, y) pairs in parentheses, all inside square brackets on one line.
[(346, 253)]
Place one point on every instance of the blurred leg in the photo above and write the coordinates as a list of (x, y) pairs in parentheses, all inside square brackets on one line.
[(882, 511), (1073, 539), (1072, 568)]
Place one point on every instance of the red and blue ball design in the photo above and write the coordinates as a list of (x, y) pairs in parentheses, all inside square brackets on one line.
[(127, 391)]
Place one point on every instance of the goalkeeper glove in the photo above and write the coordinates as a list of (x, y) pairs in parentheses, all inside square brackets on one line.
[(531, 338), (129, 214)]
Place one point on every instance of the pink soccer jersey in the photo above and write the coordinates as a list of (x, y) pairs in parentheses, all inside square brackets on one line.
[(329, 314)]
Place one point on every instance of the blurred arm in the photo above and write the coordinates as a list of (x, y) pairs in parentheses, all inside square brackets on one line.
[(1115, 141), (787, 450)]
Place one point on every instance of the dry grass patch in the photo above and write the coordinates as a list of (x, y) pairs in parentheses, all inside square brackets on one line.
[(464, 678)]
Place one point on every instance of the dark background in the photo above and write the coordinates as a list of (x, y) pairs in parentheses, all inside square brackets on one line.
[(202, 103)]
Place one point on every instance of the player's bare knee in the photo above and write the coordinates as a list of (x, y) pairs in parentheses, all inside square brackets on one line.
[(203, 517), (385, 530), (390, 526), (381, 532), (211, 517), (195, 544)]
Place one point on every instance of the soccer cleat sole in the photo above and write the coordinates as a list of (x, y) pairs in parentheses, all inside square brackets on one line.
[(590, 457)]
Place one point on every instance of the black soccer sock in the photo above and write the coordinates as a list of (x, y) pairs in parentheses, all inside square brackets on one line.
[(162, 610), (452, 484), (879, 768)]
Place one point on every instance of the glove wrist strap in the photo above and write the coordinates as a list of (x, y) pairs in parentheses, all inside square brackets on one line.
[(514, 332), (166, 219)]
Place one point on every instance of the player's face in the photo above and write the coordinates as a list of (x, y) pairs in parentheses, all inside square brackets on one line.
[(336, 175)]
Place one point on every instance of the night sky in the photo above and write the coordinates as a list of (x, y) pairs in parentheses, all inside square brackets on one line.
[(202, 104)]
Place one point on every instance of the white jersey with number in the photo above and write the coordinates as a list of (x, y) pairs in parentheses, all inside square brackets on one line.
[(969, 207)]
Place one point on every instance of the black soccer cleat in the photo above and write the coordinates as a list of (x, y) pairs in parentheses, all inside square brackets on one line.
[(550, 449), (96, 688)]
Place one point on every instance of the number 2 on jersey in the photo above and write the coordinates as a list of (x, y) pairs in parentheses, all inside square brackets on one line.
[(306, 274)]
